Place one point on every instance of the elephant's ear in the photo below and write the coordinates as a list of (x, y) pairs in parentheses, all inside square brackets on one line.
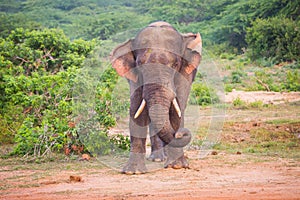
[(123, 60), (192, 52)]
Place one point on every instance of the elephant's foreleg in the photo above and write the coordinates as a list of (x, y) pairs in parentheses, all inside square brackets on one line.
[(175, 158), (136, 162), (175, 155)]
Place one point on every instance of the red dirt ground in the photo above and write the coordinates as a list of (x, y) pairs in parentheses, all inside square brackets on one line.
[(222, 176)]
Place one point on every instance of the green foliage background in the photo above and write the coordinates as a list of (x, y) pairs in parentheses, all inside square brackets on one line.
[(44, 45)]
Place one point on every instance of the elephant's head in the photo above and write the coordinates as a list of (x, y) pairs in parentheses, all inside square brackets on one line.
[(160, 64)]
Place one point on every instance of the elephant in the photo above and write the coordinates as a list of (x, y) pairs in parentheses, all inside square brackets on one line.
[(160, 65)]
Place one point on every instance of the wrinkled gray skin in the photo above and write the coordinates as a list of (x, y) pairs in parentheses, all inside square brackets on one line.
[(160, 65)]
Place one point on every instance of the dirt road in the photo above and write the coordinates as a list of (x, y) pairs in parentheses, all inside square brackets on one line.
[(222, 176), (264, 97)]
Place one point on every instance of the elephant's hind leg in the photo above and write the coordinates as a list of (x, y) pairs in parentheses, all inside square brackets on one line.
[(157, 150)]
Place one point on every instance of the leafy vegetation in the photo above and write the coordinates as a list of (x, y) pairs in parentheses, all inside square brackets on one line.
[(277, 38), (240, 104), (222, 22), (38, 77), (202, 95), (37, 73), (87, 19), (261, 75)]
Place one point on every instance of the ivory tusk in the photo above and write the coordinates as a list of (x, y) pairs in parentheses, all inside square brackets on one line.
[(140, 110), (176, 107)]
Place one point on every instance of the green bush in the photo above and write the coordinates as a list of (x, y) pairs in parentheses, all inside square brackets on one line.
[(293, 65), (201, 94), (41, 85), (238, 102), (48, 109), (256, 104), (227, 56), (266, 81), (37, 78), (277, 38), (228, 87), (266, 62), (121, 141), (292, 82), (236, 76)]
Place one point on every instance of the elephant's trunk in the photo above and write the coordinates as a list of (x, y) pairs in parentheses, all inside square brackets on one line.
[(159, 101)]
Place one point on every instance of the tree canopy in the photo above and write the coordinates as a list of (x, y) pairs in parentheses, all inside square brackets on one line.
[(223, 21)]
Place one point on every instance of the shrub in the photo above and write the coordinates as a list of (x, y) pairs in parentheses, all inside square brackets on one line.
[(265, 81), (266, 62), (121, 141), (227, 56), (292, 82), (236, 76), (277, 38), (46, 102), (228, 88), (293, 65), (256, 104), (37, 78), (238, 102), (201, 94)]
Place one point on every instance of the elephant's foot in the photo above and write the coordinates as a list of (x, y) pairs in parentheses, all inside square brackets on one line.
[(157, 156), (175, 158), (177, 164), (135, 164)]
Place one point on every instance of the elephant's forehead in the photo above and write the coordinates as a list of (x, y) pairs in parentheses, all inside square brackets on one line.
[(159, 38), (160, 23)]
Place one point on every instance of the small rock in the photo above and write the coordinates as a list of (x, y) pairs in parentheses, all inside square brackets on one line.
[(86, 157), (75, 179)]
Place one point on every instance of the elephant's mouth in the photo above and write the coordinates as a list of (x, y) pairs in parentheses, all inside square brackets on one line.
[(143, 104)]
